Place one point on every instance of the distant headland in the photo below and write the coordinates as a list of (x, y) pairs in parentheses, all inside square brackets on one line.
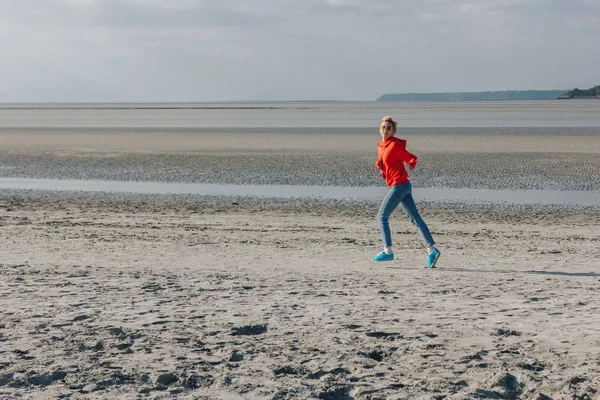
[(495, 95), (592, 93)]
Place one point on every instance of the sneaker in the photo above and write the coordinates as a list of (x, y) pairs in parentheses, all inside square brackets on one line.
[(383, 257), (432, 258)]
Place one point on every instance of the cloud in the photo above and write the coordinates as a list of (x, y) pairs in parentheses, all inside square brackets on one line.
[(81, 2), (336, 49), (336, 3)]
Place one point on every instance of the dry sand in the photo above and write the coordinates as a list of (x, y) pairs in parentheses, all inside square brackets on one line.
[(199, 298)]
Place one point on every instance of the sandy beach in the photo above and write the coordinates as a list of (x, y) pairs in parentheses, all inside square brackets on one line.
[(140, 296)]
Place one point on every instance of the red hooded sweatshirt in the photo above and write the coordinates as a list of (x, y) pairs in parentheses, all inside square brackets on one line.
[(391, 157)]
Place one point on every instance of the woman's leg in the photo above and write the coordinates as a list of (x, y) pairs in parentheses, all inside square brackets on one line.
[(410, 209), (388, 205)]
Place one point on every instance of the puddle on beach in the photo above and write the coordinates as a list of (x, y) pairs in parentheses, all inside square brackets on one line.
[(481, 196)]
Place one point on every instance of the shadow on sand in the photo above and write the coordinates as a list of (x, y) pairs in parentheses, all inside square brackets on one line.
[(505, 271)]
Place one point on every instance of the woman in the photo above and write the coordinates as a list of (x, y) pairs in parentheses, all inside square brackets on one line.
[(391, 161)]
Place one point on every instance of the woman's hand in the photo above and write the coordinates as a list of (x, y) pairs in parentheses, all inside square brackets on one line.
[(411, 164)]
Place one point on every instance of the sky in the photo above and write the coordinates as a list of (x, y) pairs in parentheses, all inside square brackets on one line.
[(271, 50)]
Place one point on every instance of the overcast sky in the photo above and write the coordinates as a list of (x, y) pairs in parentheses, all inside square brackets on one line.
[(234, 50)]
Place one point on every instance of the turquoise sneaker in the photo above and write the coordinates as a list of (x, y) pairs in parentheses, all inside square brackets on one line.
[(383, 257), (432, 258)]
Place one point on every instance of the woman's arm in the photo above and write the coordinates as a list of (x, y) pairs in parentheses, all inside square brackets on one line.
[(411, 160), (398, 156)]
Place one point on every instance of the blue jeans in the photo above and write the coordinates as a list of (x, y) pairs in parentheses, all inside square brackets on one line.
[(401, 195)]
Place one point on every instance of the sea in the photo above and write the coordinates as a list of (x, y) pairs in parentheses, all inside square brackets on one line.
[(558, 116), (310, 114)]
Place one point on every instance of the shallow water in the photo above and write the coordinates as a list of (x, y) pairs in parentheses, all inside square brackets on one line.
[(546, 113), (441, 195)]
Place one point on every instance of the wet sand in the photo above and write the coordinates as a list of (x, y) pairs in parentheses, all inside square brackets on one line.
[(127, 296), (499, 159)]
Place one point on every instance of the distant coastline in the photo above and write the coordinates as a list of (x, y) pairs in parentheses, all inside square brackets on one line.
[(476, 96), (592, 93)]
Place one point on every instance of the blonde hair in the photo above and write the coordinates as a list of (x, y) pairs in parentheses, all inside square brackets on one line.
[(390, 120)]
